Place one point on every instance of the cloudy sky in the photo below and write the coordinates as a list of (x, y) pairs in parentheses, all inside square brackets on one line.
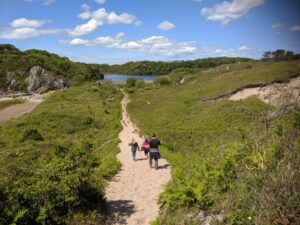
[(117, 31)]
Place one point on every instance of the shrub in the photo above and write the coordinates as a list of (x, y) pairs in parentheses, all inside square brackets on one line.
[(162, 80), (140, 83), (32, 134), (131, 82)]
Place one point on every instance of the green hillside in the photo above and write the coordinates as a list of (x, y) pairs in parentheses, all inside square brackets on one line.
[(230, 159), (54, 162), (15, 66), (161, 68)]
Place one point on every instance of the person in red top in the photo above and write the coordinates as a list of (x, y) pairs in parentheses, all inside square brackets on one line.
[(146, 147)]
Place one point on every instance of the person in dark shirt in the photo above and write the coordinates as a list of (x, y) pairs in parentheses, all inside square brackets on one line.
[(134, 147), (154, 152)]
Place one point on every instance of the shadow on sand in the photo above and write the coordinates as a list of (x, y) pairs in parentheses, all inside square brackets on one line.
[(141, 159), (119, 211), (166, 166)]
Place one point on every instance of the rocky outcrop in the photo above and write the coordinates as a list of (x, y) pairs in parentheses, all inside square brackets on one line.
[(37, 80), (13, 78), (40, 81)]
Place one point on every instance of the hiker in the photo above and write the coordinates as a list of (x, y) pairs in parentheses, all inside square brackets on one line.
[(134, 147), (154, 152), (146, 147)]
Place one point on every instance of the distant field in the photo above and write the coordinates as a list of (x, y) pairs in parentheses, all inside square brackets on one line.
[(4, 104), (226, 156), (54, 161)]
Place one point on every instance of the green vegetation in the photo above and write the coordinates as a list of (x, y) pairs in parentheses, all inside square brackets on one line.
[(132, 84), (19, 63), (229, 159), (280, 55), (4, 104), (161, 68), (54, 162)]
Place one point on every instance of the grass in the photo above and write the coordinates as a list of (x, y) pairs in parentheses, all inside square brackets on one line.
[(54, 162), (4, 104), (221, 151)]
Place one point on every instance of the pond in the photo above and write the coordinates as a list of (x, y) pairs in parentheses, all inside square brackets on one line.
[(121, 78)]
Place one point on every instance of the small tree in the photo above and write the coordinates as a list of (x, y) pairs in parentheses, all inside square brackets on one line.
[(279, 54), (131, 82), (267, 55)]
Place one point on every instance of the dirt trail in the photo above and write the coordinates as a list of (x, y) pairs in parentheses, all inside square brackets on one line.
[(18, 110), (132, 195)]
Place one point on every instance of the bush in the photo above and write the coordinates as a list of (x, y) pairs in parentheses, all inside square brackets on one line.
[(162, 80), (131, 82), (140, 83), (32, 134)]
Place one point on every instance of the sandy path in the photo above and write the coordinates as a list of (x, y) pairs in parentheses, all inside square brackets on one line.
[(17, 110), (132, 194)]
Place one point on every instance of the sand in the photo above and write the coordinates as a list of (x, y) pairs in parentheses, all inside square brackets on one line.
[(13, 111), (132, 195), (275, 94)]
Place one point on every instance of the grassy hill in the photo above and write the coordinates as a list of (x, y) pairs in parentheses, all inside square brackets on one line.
[(15, 66), (55, 161), (227, 164)]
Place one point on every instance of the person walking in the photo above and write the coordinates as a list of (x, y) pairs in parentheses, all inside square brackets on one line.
[(154, 152), (134, 147), (146, 147)]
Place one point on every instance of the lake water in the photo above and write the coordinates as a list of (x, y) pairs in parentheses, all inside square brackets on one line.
[(121, 78)]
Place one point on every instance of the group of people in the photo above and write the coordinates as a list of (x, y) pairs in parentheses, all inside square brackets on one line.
[(150, 149)]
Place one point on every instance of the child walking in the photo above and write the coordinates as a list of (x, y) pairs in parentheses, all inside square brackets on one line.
[(134, 147)]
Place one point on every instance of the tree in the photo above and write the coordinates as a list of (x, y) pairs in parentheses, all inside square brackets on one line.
[(267, 55), (289, 55), (279, 54)]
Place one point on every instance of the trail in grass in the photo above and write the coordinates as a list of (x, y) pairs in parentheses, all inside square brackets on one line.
[(132, 195), (18, 109)]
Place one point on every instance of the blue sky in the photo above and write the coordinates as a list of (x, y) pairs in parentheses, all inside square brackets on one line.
[(117, 31)]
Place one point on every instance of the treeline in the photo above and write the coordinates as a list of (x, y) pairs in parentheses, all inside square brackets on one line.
[(20, 63), (280, 55), (161, 68)]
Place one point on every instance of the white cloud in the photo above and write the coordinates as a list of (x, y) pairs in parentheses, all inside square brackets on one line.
[(277, 25), (45, 2), (23, 22), (213, 51), (24, 29), (166, 25), (48, 2), (157, 45), (28, 32), (295, 28), (78, 41), (100, 1), (86, 28), (105, 41), (244, 48), (100, 17), (138, 23), (85, 15), (85, 7), (228, 11)]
